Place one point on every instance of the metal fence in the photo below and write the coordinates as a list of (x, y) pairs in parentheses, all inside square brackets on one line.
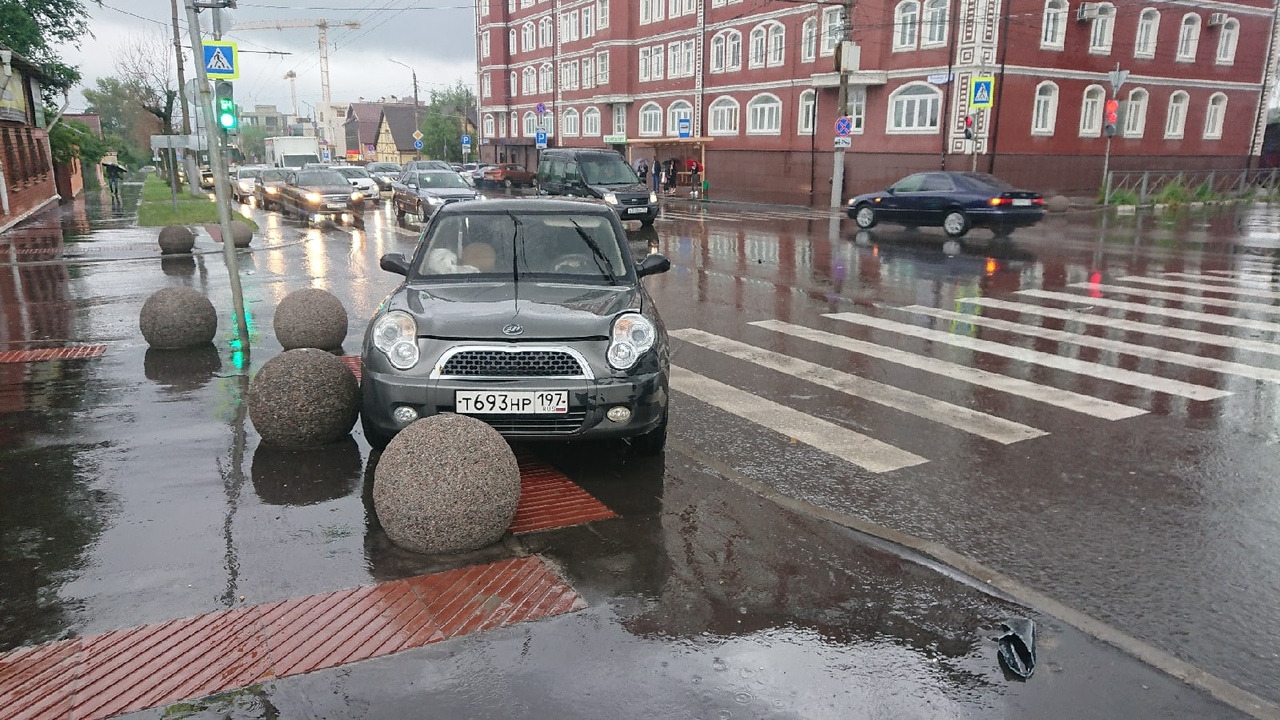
[(1176, 186)]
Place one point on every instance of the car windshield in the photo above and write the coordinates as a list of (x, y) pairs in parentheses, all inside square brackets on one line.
[(384, 168), (274, 175), (439, 180), (606, 171), (249, 173), (988, 182), (353, 172), (316, 178), (431, 165), (523, 245)]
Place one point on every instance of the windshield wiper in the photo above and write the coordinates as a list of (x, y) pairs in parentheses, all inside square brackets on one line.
[(597, 255)]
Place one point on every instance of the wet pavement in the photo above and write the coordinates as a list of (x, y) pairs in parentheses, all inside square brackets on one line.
[(136, 490)]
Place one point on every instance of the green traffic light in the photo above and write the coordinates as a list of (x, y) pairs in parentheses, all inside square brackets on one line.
[(227, 116)]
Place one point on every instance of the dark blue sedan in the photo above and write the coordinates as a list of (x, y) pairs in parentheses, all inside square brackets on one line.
[(954, 201)]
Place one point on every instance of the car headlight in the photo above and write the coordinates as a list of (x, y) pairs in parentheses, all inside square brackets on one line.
[(653, 197), (396, 335), (433, 200), (271, 190), (357, 196), (480, 197), (245, 186), (632, 336), (314, 197), (611, 198)]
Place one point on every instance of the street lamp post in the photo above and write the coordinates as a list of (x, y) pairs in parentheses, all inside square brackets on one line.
[(417, 152)]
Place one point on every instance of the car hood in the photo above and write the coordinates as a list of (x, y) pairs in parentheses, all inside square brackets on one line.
[(447, 192), (544, 311), (326, 189), (635, 188)]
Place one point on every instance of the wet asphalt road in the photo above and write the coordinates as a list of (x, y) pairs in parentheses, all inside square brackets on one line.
[(136, 492)]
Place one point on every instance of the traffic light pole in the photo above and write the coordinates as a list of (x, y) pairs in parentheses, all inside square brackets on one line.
[(1106, 172), (221, 181)]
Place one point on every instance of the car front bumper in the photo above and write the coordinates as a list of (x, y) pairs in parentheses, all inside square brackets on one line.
[(636, 212)]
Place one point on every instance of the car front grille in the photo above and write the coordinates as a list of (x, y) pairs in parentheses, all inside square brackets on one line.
[(503, 363), (563, 424), (635, 201)]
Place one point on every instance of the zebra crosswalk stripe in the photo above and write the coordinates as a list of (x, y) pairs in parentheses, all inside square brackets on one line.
[(961, 418), (1097, 370), (828, 437), (1254, 275), (1250, 323), (1226, 281), (1248, 292), (1066, 399)]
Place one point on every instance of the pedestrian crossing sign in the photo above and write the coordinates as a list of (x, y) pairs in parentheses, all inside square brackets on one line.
[(980, 95), (221, 60)]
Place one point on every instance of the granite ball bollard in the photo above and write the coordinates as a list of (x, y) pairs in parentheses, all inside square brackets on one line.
[(176, 318), (175, 239), (310, 318), (241, 234), (303, 398), (1057, 204), (446, 484)]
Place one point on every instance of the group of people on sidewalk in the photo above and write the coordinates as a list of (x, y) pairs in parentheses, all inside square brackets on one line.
[(664, 174)]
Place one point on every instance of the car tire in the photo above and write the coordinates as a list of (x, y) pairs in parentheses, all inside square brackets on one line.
[(955, 223), (377, 439), (508, 184), (653, 442), (421, 213), (399, 216), (865, 216)]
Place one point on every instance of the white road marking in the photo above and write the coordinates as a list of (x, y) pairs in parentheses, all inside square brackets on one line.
[(1194, 336), (841, 442), (955, 416), (1254, 275), (1248, 292), (1262, 325), (1066, 399), (1097, 370), (1117, 346), (1227, 281)]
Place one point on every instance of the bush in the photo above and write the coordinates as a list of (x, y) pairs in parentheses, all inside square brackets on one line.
[(1205, 192), (1174, 193), (1123, 196)]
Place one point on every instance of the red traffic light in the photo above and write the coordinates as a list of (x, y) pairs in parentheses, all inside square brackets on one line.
[(1112, 118), (968, 121), (1112, 106)]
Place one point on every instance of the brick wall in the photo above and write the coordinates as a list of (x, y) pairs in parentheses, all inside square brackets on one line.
[(28, 175)]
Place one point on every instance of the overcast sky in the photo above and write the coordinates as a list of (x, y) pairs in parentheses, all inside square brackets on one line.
[(435, 37)]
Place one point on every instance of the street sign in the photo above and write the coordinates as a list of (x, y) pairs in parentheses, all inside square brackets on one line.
[(417, 144), (466, 141), (843, 141), (540, 108), (541, 139), (844, 126), (1117, 78), (981, 96), (684, 127), (221, 60), (940, 78), (417, 134), (325, 156), (617, 139)]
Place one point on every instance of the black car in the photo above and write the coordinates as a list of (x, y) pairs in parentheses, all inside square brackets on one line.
[(602, 174), (527, 314), (267, 190), (384, 173), (954, 201), (427, 165), (422, 192), (319, 194)]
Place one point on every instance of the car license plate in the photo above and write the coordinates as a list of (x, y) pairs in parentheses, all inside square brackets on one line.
[(482, 402), (637, 211), (1021, 202), (335, 206)]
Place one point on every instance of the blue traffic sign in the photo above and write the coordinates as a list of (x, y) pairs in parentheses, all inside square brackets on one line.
[(221, 60), (541, 139), (540, 108), (684, 127), (844, 125), (466, 141), (980, 93), (417, 144)]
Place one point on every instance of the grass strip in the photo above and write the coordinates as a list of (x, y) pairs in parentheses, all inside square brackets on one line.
[(156, 207)]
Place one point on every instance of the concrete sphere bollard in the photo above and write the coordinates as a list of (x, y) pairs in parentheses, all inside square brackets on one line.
[(303, 398), (446, 484), (176, 318), (241, 234), (176, 239), (310, 318), (1058, 204)]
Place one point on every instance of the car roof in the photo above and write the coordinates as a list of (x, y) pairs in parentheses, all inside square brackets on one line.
[(542, 205)]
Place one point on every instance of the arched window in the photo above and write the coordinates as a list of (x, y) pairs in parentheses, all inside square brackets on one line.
[(651, 119), (935, 23), (719, 61), (1104, 27), (906, 25), (724, 116), (489, 127), (546, 78), (530, 124), (591, 122), (1135, 113), (777, 45), (1091, 111), (1228, 37), (733, 50), (528, 37), (1189, 38), (764, 115), (758, 48), (677, 111), (1044, 116), (1214, 114), (546, 33), (569, 123), (528, 81), (511, 40), (1144, 46), (1175, 122), (1053, 30), (809, 40), (808, 112), (915, 108), (547, 123), (515, 125), (512, 88)]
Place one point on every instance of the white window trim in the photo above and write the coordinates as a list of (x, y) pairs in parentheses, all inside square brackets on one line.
[(737, 113), (925, 42), (1106, 14), (810, 98), (1094, 130), (591, 116), (570, 126), (1053, 111), (673, 126), (775, 102), (1171, 132), (809, 40), (891, 130), (779, 31), (1180, 56), (1061, 18), (649, 109), (1150, 53), (827, 40), (760, 32), (1233, 44), (899, 11), (1129, 114), (1209, 132)]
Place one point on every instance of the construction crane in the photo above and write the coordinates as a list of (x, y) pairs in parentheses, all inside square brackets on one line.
[(322, 25), (292, 77)]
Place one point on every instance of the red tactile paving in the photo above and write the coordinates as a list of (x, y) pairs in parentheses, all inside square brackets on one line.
[(69, 353), (549, 499), (353, 362), (154, 665)]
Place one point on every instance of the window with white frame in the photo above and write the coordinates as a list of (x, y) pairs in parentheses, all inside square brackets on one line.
[(526, 4), (591, 122), (650, 119), (726, 51), (484, 44), (677, 111), (547, 123), (764, 115), (569, 124), (512, 88), (620, 119), (528, 81), (588, 72), (571, 26), (724, 116), (1189, 38), (1053, 29), (488, 126), (602, 68), (650, 11), (546, 32), (1175, 120), (858, 108), (757, 47), (530, 124), (484, 8), (645, 65), (1144, 45), (1044, 114), (914, 108), (546, 78), (777, 45), (1135, 113), (687, 48), (675, 61), (1091, 111), (934, 26), (511, 41), (1228, 38), (807, 117), (1102, 30), (1214, 115), (906, 25), (588, 21), (809, 40), (486, 86), (602, 14), (658, 65), (833, 29), (528, 37), (515, 125)]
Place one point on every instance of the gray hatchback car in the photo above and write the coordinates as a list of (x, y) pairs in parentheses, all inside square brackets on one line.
[(527, 314)]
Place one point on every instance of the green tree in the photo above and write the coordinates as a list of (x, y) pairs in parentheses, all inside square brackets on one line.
[(121, 105), (252, 141), (34, 28), (445, 122)]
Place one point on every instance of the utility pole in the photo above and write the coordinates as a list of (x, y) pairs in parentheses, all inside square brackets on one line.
[(417, 152), (221, 186), (842, 104), (172, 158)]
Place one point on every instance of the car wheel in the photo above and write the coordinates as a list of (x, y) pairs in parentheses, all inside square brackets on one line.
[(865, 216), (955, 224), (399, 215), (507, 183), (652, 442), (421, 213), (375, 437)]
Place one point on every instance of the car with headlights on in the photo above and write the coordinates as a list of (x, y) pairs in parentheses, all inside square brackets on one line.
[(318, 194), (384, 173), (267, 190), (954, 201), (360, 180), (422, 192), (244, 183), (527, 314)]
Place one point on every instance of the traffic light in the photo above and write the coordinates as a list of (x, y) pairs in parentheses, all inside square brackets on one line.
[(225, 106), (1112, 117), (968, 127)]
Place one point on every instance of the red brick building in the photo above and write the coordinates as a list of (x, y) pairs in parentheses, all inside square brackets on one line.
[(26, 169), (757, 79)]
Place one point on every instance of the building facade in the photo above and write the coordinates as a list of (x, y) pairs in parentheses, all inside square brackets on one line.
[(26, 164), (757, 83)]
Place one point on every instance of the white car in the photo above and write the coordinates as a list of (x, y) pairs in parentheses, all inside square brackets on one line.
[(360, 179)]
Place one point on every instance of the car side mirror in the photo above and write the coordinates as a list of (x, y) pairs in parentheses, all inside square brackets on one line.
[(413, 185), (652, 265), (891, 191), (394, 263)]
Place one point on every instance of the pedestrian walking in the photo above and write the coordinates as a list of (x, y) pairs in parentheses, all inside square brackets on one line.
[(695, 180), (114, 174)]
